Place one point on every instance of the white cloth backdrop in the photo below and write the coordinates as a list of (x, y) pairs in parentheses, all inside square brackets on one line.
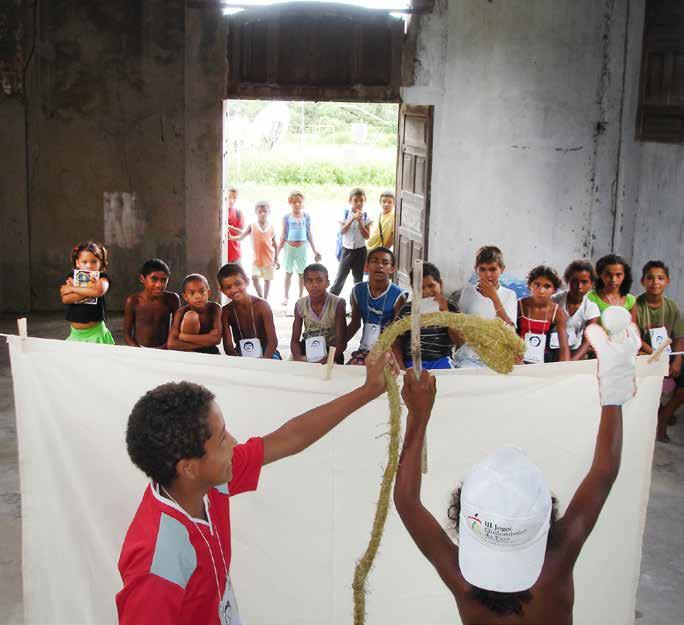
[(296, 539)]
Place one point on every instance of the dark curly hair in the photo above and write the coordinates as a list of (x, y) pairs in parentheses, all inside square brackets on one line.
[(614, 259), (167, 424), (544, 271), (579, 265), (96, 249), (502, 603)]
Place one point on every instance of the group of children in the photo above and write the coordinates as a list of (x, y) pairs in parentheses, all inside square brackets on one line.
[(551, 321), (358, 234)]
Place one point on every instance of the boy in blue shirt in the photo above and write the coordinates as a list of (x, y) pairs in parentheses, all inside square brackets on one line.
[(375, 302)]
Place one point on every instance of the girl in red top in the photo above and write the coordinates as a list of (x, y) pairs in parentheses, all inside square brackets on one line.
[(541, 322)]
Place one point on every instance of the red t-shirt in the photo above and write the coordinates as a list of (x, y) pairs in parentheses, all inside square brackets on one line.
[(236, 219), (165, 565)]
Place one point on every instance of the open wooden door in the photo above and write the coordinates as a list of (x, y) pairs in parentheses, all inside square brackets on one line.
[(414, 164)]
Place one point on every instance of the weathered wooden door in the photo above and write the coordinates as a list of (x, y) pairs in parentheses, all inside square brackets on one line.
[(414, 164)]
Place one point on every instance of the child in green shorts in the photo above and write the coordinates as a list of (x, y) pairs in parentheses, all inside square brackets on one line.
[(84, 292), (296, 234)]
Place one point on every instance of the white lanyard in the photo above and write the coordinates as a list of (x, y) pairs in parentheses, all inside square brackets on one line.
[(206, 542), (255, 351)]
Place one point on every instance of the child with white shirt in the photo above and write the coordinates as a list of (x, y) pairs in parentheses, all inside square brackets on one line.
[(354, 231), (486, 299), (580, 278)]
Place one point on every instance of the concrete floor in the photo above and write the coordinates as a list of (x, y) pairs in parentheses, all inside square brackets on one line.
[(659, 598)]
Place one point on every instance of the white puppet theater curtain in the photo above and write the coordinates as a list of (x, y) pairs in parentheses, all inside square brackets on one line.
[(296, 540)]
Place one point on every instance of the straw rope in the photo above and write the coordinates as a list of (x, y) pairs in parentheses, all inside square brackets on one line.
[(495, 343)]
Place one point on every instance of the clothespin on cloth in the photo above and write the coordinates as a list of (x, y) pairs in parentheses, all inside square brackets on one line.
[(416, 355), (330, 363), (658, 352), (22, 329)]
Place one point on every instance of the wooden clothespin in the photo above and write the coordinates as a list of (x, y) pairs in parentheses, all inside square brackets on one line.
[(21, 327), (330, 363), (658, 352)]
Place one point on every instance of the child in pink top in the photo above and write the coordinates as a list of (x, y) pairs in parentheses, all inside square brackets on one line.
[(265, 251)]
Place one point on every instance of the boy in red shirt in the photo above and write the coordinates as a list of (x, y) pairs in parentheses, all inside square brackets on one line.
[(236, 224), (175, 558)]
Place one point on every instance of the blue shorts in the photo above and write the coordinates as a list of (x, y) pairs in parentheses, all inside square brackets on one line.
[(441, 363)]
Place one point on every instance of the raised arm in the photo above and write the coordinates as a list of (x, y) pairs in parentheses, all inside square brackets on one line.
[(427, 533), (129, 321), (617, 385), (300, 432)]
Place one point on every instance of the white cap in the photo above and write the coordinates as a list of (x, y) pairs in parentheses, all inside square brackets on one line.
[(504, 522)]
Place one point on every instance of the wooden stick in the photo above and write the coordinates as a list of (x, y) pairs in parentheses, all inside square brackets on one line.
[(330, 363), (21, 326), (658, 352)]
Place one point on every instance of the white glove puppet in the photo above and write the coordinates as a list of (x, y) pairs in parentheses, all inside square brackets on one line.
[(616, 352)]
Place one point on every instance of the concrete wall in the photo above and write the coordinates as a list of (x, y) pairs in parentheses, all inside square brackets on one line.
[(14, 240), (534, 136), (124, 97)]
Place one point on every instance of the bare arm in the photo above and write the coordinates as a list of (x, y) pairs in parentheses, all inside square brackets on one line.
[(309, 238), (341, 327), (585, 346), (295, 348), (676, 364), (174, 342), (427, 533), (355, 322), (99, 289), (269, 326), (562, 330), (300, 432), (210, 338), (240, 236), (129, 321), (588, 501), (228, 345)]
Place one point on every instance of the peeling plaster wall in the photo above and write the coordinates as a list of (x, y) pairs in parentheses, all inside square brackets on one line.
[(529, 134), (14, 240), (124, 140)]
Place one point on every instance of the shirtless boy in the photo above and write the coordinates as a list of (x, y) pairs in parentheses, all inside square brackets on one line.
[(515, 559), (196, 327), (148, 314), (247, 321)]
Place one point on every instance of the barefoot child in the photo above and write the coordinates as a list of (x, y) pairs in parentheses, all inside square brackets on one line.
[(196, 327), (613, 284), (382, 231), (148, 314), (486, 299), (354, 230), (84, 294), (658, 319), (235, 223), (247, 321), (296, 234), (264, 245), (375, 302), (580, 278), (322, 317), (542, 323), (524, 575), (436, 344), (175, 559)]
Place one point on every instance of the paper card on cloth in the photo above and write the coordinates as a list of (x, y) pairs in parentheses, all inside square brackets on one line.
[(297, 538)]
